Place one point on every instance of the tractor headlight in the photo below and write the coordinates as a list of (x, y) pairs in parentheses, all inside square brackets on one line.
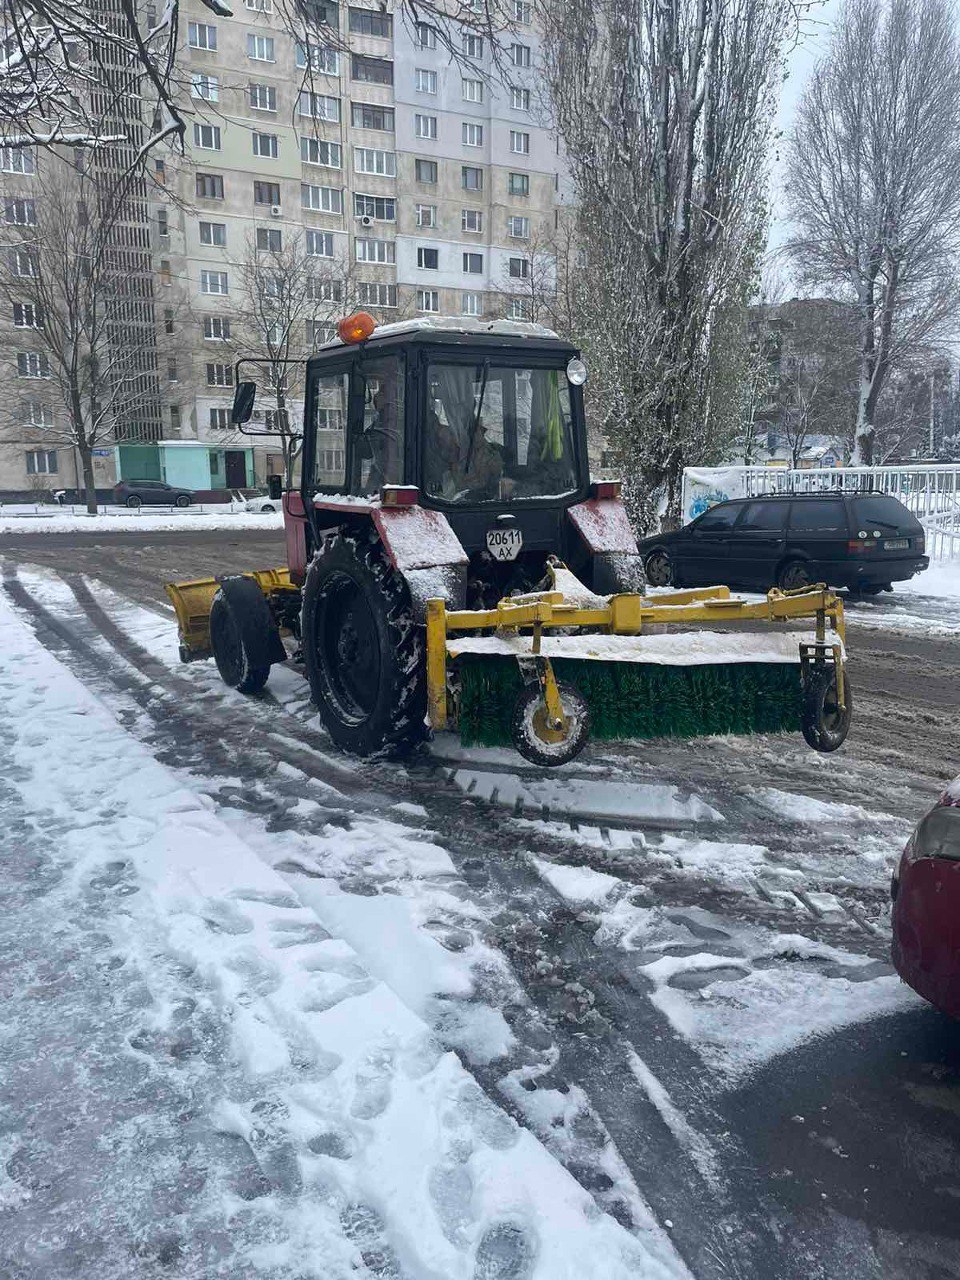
[(576, 372)]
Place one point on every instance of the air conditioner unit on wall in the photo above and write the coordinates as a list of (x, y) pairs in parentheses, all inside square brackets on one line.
[(365, 220), (276, 211)]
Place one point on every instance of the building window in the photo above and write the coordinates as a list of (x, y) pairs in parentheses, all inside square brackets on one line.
[(26, 315), (367, 115), (428, 300), (173, 373), (376, 294), (371, 70), (522, 11), (426, 215), (319, 333), (160, 170), (518, 227), (518, 184), (206, 136), (166, 276), (520, 99), (473, 264), (204, 86), (209, 186), (20, 213), (473, 47), (380, 208), (17, 160), (472, 90), (520, 55), (518, 309), (320, 106), (321, 199), (472, 134), (425, 81), (519, 268), (269, 239), (325, 154), (263, 97), (471, 220), (471, 304), (320, 244), (428, 259), (266, 193), (426, 36), (519, 142), (33, 364), (168, 324), (266, 145), (219, 375), (324, 290), (471, 179), (220, 419), (42, 462), (201, 36), (213, 233), (163, 224), (425, 127), (381, 251), (259, 6), (260, 48), (214, 282), (426, 171), (216, 328), (37, 414), (23, 262), (320, 57), (381, 163), (371, 22)]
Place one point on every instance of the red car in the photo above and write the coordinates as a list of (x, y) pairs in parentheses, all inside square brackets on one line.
[(926, 906)]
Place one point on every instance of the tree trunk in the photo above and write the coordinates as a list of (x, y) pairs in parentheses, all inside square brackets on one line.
[(89, 484)]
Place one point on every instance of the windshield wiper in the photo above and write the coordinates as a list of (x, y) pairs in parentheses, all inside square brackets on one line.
[(477, 415)]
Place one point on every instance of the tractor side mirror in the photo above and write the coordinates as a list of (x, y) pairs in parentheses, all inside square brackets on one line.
[(243, 399), (275, 487)]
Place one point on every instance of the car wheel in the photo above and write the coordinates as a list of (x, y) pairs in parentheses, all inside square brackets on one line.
[(133, 501), (824, 725), (183, 500), (267, 509), (794, 576), (658, 567)]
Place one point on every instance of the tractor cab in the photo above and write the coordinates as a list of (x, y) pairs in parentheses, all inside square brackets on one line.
[(481, 422)]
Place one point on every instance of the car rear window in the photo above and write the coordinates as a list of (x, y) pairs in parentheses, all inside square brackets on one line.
[(719, 517), (763, 517), (938, 835), (882, 511), (828, 516)]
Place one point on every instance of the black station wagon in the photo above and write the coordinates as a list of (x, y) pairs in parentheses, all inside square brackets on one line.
[(864, 541)]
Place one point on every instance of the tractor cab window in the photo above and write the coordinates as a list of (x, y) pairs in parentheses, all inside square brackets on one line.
[(494, 434), (379, 455), (330, 420)]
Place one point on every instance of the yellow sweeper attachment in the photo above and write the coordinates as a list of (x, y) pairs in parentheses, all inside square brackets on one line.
[(544, 671)]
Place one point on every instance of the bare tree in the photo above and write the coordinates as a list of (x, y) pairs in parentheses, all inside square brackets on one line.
[(816, 385), (92, 371), (873, 183), (665, 109)]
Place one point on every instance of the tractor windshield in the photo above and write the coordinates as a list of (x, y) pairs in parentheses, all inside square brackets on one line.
[(495, 433)]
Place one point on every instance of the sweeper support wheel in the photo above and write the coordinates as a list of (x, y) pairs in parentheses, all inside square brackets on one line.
[(551, 721)]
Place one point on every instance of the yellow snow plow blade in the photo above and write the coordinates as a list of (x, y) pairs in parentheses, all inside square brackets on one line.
[(192, 601)]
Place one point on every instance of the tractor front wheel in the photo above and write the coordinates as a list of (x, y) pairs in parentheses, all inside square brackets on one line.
[(362, 648), (230, 642)]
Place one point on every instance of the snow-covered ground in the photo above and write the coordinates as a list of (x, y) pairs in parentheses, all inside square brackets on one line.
[(23, 518), (928, 604), (202, 1072)]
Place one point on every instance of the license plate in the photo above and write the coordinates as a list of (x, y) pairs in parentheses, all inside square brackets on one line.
[(896, 544), (504, 544)]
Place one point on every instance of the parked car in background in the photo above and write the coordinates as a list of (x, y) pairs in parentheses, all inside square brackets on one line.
[(926, 906), (263, 504), (136, 493), (864, 541)]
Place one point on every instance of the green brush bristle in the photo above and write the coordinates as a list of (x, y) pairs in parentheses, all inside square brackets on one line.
[(644, 700)]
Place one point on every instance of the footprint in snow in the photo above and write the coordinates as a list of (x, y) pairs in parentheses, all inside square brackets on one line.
[(221, 916), (260, 977), (366, 1229), (506, 1252), (373, 1086), (297, 933), (286, 901), (451, 1190), (495, 1128)]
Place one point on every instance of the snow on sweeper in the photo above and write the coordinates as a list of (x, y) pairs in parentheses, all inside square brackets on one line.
[(451, 565)]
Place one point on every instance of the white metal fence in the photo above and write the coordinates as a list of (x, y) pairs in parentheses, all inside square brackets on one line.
[(932, 493)]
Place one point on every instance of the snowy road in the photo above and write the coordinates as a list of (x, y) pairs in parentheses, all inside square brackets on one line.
[(648, 1005)]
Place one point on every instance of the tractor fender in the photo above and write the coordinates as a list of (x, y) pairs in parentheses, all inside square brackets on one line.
[(605, 529), (419, 543), (258, 628)]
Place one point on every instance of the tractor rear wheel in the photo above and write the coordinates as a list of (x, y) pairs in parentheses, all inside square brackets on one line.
[(362, 648)]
